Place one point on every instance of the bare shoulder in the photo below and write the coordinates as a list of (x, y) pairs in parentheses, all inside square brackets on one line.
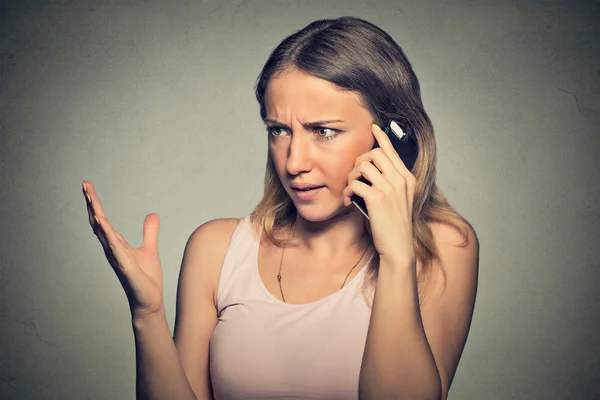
[(459, 252), (448, 309), (208, 245), (212, 236), (196, 314), (218, 228), (446, 234)]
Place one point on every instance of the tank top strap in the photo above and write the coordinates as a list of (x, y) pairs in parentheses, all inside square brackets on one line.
[(240, 280), (237, 262), (292, 343)]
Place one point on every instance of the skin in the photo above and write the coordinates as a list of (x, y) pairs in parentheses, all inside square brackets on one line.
[(325, 227), (409, 353)]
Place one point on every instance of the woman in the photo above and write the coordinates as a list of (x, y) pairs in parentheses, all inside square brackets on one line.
[(277, 299)]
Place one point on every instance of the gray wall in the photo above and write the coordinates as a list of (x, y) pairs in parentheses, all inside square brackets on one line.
[(153, 102)]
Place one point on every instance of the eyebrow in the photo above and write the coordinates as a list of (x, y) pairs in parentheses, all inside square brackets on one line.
[(306, 125)]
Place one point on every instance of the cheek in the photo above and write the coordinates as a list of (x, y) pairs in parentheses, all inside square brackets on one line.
[(278, 160), (339, 172)]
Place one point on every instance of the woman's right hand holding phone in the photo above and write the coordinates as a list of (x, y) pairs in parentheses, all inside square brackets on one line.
[(139, 269)]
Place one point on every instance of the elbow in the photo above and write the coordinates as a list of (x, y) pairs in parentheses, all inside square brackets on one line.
[(435, 391), (436, 394), (431, 392), (425, 387)]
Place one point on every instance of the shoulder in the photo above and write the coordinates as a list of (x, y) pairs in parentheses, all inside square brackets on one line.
[(447, 235), (196, 310), (217, 228), (458, 250), (212, 237), (448, 310), (205, 250)]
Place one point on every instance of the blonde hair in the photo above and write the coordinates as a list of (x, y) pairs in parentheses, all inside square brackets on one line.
[(359, 57)]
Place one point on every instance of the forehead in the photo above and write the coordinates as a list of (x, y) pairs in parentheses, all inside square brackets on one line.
[(301, 95)]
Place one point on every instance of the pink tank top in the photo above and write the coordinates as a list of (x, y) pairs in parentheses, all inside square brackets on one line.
[(263, 348)]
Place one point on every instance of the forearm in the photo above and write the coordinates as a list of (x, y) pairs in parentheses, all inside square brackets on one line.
[(397, 361), (159, 373)]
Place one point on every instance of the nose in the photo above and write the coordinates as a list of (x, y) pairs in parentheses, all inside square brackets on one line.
[(300, 154)]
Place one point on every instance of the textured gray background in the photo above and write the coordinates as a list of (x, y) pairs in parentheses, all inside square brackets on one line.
[(153, 102)]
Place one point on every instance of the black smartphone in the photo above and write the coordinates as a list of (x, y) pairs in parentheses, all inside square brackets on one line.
[(406, 147)]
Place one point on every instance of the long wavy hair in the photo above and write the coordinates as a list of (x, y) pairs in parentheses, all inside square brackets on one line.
[(357, 56)]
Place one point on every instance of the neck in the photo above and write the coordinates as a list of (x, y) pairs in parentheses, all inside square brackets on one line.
[(332, 238)]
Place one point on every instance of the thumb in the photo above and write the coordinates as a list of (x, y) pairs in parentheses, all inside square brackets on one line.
[(151, 225)]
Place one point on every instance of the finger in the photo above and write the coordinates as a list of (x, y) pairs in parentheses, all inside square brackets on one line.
[(101, 227), (95, 201), (90, 212), (119, 248), (87, 186), (359, 188), (386, 145), (95, 209), (371, 173), (87, 189), (380, 159), (365, 156), (89, 207), (101, 235), (150, 235)]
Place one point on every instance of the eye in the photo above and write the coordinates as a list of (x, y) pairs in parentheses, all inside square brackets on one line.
[(275, 131), (271, 130), (332, 136)]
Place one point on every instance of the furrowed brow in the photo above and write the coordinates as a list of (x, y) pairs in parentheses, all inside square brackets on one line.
[(306, 125)]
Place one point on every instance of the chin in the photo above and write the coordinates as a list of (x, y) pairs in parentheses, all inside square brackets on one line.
[(314, 213)]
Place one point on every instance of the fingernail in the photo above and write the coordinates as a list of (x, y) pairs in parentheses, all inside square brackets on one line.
[(84, 187)]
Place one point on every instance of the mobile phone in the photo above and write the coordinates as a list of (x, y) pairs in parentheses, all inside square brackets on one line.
[(406, 147)]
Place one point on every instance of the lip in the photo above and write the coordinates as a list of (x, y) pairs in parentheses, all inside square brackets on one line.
[(307, 195), (300, 185)]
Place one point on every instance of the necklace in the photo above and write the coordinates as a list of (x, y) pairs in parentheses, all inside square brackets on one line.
[(343, 283)]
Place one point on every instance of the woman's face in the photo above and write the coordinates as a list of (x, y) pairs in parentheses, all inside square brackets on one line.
[(322, 154)]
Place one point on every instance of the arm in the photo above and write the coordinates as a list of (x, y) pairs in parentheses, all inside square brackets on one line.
[(159, 373), (411, 352), (163, 365), (177, 367), (196, 315)]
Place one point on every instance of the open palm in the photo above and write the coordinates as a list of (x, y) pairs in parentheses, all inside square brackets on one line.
[(139, 269)]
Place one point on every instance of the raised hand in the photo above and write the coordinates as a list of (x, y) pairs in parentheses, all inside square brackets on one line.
[(389, 199), (139, 269)]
